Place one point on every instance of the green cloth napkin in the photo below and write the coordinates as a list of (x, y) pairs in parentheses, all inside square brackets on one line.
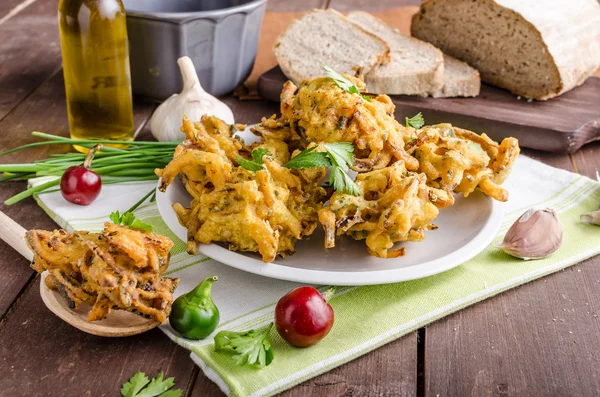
[(365, 317)]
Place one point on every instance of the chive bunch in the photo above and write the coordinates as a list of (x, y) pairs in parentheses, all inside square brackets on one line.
[(134, 163)]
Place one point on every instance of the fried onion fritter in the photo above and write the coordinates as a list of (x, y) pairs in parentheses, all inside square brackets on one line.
[(396, 205), (118, 268), (265, 211), (458, 160), (321, 112), (405, 175)]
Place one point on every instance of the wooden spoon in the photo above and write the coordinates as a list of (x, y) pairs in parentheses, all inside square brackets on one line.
[(117, 323)]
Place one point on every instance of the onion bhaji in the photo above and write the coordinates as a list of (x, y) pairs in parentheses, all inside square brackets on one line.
[(405, 175), (454, 159), (118, 268), (321, 112), (265, 211), (395, 205)]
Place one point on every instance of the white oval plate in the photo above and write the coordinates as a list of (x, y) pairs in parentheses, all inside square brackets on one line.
[(465, 229)]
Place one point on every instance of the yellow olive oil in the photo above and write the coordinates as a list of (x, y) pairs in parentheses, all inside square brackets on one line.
[(95, 51)]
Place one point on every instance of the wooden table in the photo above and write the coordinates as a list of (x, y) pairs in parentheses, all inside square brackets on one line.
[(540, 339)]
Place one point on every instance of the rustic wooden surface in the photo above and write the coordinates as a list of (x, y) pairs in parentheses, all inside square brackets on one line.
[(538, 339)]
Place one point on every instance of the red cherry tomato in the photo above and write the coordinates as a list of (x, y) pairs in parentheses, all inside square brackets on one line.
[(79, 184), (303, 317)]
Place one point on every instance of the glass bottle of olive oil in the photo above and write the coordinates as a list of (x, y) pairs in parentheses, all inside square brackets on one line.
[(95, 50)]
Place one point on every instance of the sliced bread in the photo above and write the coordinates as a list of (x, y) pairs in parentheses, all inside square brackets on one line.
[(536, 49), (415, 67), (459, 80), (326, 36)]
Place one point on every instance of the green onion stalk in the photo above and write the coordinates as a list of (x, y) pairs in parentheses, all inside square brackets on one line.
[(134, 163)]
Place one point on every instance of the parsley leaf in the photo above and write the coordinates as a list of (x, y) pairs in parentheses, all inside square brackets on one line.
[(115, 217), (342, 182), (309, 158), (343, 82), (257, 155), (341, 154), (416, 121), (248, 164), (135, 384), (158, 387), (256, 164), (129, 219), (251, 348)]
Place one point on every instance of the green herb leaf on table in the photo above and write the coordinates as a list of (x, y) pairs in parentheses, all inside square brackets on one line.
[(129, 219), (416, 121), (249, 348), (308, 158), (256, 164), (137, 382), (343, 82), (158, 387)]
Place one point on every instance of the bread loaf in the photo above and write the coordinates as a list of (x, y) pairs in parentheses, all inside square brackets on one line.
[(326, 36), (459, 80), (537, 49), (415, 67)]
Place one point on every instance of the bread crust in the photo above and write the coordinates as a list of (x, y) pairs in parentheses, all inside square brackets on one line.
[(566, 74)]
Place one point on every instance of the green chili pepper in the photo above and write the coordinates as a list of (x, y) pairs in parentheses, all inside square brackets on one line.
[(194, 314)]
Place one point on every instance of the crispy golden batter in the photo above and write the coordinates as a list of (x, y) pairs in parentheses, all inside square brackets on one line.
[(458, 160), (405, 175), (265, 211), (118, 268), (396, 205), (320, 111), (278, 129)]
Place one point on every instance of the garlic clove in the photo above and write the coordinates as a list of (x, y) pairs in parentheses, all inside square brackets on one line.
[(193, 102), (536, 234), (591, 217)]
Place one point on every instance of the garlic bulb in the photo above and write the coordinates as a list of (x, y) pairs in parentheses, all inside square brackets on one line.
[(591, 217), (193, 102), (536, 234)]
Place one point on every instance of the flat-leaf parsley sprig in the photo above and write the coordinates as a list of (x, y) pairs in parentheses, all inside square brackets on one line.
[(140, 386), (343, 82), (129, 219), (416, 121), (309, 158), (249, 348), (256, 164), (342, 158), (339, 155)]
